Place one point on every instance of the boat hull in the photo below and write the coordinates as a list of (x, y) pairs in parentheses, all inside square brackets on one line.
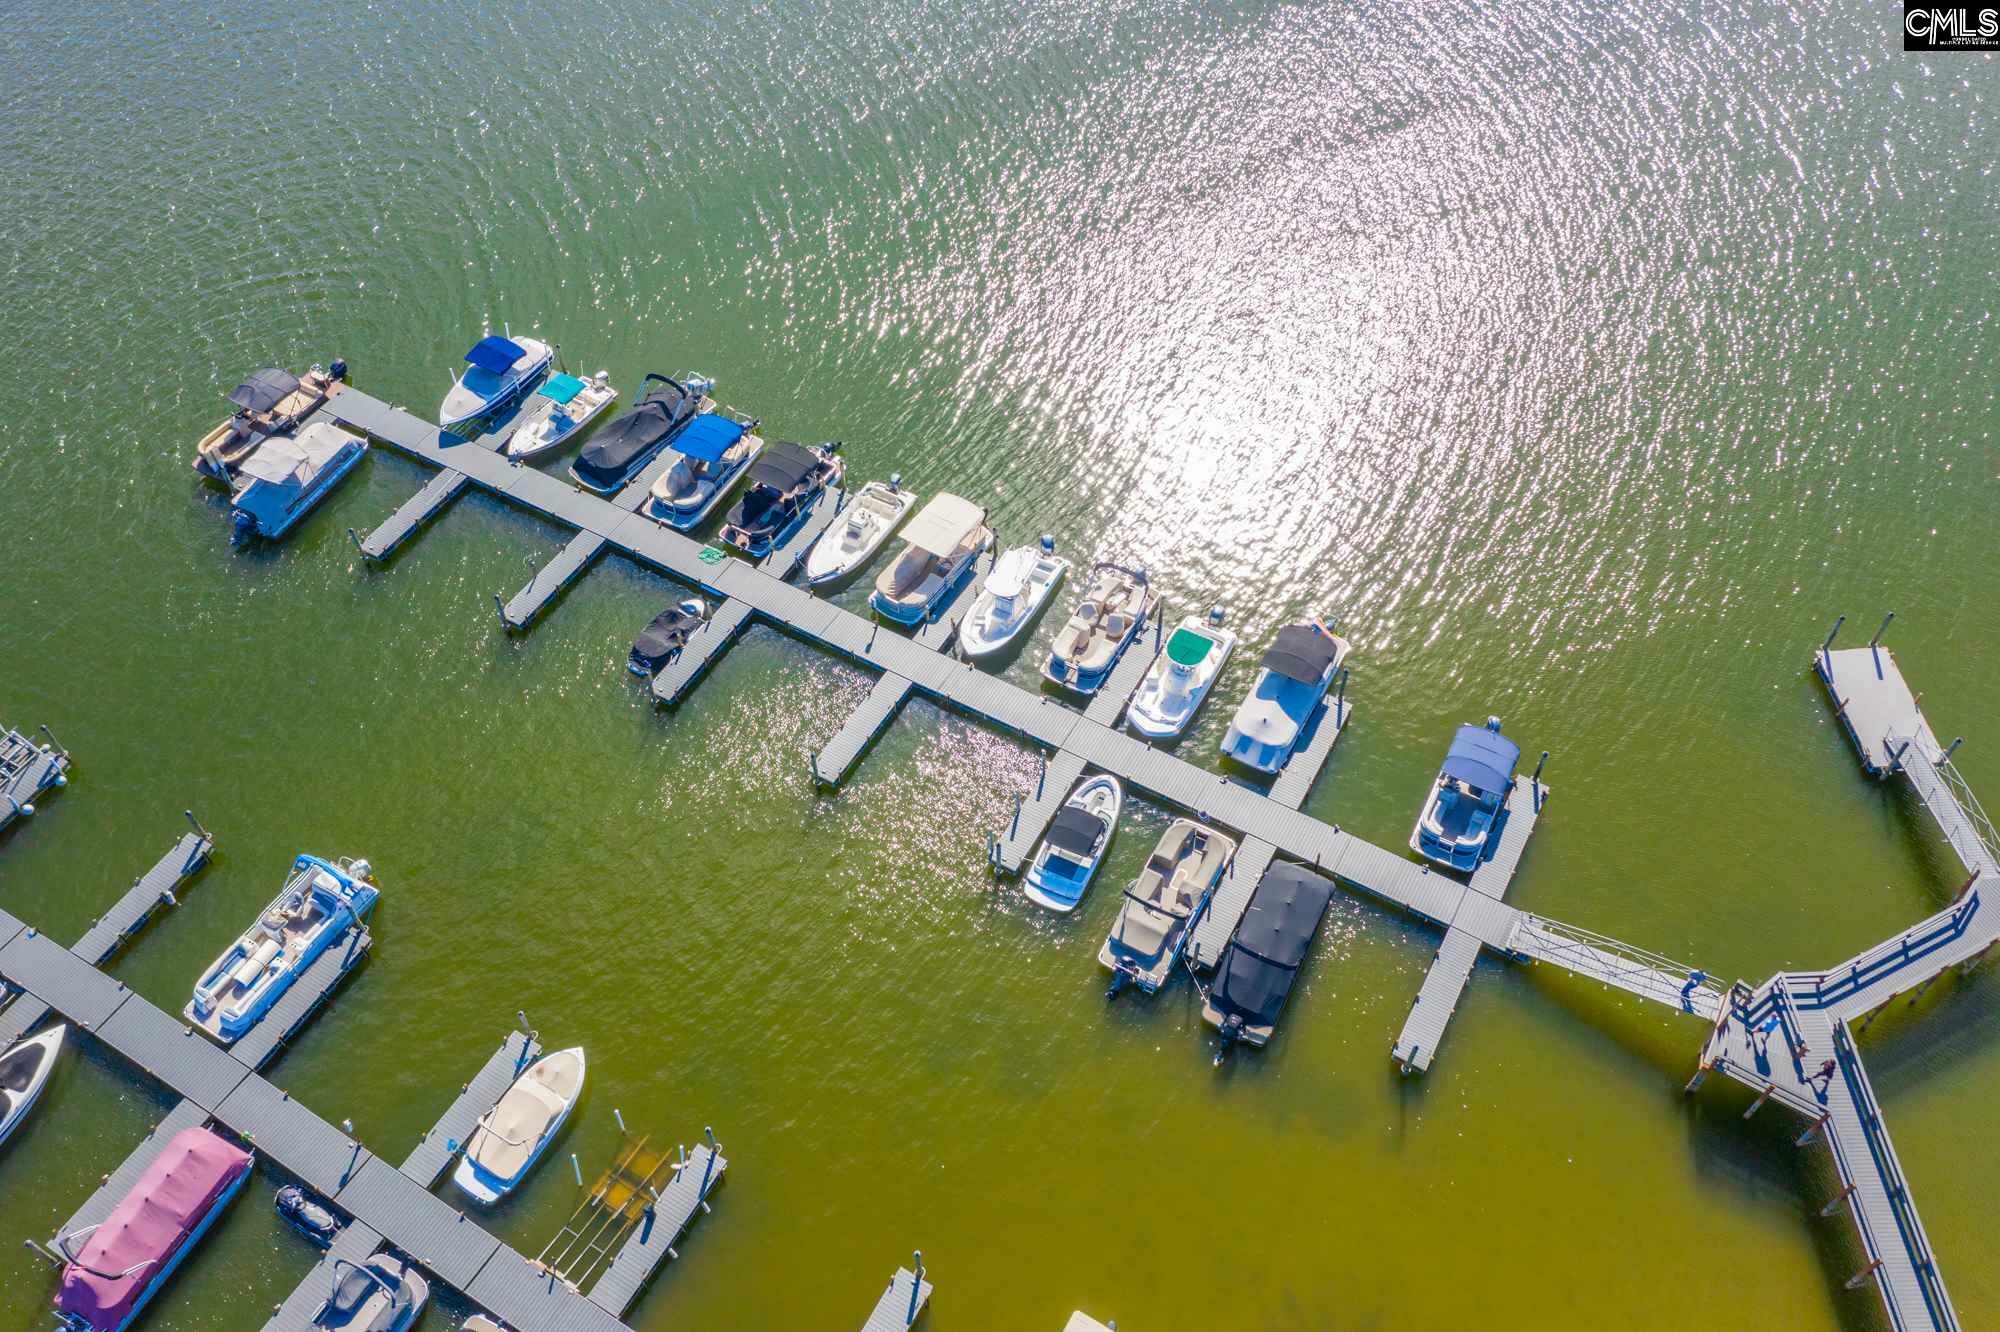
[(18, 1104), (251, 524), (978, 638)]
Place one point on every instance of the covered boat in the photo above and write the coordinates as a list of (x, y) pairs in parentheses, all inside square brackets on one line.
[(662, 640), (1295, 674), (1180, 677), (870, 516), (619, 451), (384, 1294), (1463, 813), (321, 901), (1113, 611), (1254, 976), (511, 1136), (112, 1269), (1162, 904), (1063, 866), (499, 373), (713, 453), (307, 1215), (1011, 598), (270, 402), (286, 476), (565, 406), (24, 1071), (942, 548), (785, 483)]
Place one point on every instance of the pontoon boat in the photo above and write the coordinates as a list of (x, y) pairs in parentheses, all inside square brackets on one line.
[(1161, 905), (1295, 674), (1061, 872), (662, 640), (513, 1134), (572, 404), (621, 450), (1111, 614), (714, 451), (1464, 809), (1255, 974), (24, 1071), (499, 373), (785, 483), (321, 901), (870, 516), (942, 547), (1012, 596), (384, 1294), (286, 476), (269, 402), (110, 1270), (1165, 701)]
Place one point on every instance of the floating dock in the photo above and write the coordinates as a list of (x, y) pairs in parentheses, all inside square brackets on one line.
[(902, 1303), (26, 770), (256, 1047), (652, 1242), (436, 1149), (1295, 780), (356, 1243)]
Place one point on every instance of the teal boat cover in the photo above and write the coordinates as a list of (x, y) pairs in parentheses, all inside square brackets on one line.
[(562, 388)]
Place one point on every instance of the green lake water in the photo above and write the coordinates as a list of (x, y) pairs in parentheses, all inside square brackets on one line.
[(1584, 361)]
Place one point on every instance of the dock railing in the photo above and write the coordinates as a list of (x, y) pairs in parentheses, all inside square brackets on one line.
[(1941, 786), (1638, 970), (1823, 989)]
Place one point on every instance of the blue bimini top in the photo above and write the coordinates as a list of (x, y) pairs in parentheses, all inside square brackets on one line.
[(1482, 759)]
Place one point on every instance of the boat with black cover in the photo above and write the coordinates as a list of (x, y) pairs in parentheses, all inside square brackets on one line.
[(1294, 676), (785, 483), (270, 402), (305, 1214), (621, 449), (1257, 969), (662, 640)]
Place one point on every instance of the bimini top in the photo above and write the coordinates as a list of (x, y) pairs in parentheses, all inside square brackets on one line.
[(186, 1180), (1188, 646), (1271, 941), (264, 390), (1482, 759), (495, 354), (944, 524), (1075, 830), (1010, 576), (278, 461), (1301, 653), (709, 436), (783, 464), (562, 388)]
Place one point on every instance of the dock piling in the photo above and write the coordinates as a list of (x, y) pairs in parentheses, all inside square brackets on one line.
[(1876, 641), (576, 1167), (618, 1115), (1945, 757), (916, 1289)]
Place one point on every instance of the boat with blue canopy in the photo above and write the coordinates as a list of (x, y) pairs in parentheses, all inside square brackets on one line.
[(561, 408), (1465, 809), (715, 450), (1293, 678), (499, 372), (321, 901)]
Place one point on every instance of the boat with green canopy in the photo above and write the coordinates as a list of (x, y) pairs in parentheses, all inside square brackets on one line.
[(1180, 678), (561, 408)]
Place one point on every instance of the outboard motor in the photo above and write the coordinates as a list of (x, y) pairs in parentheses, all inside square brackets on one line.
[(241, 528), (311, 1219), (362, 871), (1048, 544), (1118, 978), (1232, 1027), (337, 372)]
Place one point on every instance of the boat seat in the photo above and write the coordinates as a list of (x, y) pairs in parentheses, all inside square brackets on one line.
[(1117, 624)]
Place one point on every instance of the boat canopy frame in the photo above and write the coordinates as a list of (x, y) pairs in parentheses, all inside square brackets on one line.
[(1482, 758)]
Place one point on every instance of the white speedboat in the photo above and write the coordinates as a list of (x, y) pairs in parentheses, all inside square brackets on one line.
[(1297, 671), (513, 1134), (942, 548), (1165, 701), (1061, 872), (321, 901), (1162, 903), (287, 475), (572, 404), (499, 372), (1112, 613), (875, 511), (24, 1069), (1013, 595)]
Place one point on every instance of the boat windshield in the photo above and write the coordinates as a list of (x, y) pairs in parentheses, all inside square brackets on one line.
[(485, 383)]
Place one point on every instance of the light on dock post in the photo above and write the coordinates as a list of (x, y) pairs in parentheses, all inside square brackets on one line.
[(916, 1290), (620, 1117)]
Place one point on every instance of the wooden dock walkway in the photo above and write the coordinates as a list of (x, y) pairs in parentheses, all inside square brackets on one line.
[(1295, 780), (902, 1303), (26, 770)]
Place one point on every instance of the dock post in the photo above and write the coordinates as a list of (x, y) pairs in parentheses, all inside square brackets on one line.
[(1945, 757), (577, 1167), (1838, 1199), (500, 609), (199, 830), (352, 536), (1860, 1279), (619, 1115), (1816, 1126), (812, 766), (708, 1171), (53, 742), (916, 1290), (1876, 641), (1762, 1097), (1535, 782), (1340, 698), (1826, 663), (1015, 830), (1694, 1083)]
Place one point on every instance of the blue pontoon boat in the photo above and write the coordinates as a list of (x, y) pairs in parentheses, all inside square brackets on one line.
[(321, 901), (282, 481), (1458, 822), (1296, 672), (499, 373)]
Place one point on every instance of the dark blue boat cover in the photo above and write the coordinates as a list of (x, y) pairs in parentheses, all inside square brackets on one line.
[(264, 390), (1256, 972), (708, 437), (496, 353), (1482, 759)]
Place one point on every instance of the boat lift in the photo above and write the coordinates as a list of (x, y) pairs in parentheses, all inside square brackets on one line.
[(623, 1196)]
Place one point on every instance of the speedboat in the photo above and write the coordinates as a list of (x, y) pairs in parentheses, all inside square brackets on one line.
[(384, 1294), (512, 1135), (572, 404), (286, 476), (622, 449), (1102, 626), (870, 516), (270, 402), (1464, 809), (24, 1070), (1165, 701), (110, 1270), (1162, 904), (1296, 672), (481, 1323), (941, 550), (1061, 871), (499, 372), (1255, 974), (321, 901), (662, 640), (714, 451), (785, 483), (312, 1219), (1022, 581)]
